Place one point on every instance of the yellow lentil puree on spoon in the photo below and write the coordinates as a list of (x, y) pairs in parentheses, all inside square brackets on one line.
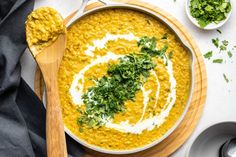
[(43, 27)]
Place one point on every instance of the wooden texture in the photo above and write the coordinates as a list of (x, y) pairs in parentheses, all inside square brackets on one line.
[(187, 126), (49, 60)]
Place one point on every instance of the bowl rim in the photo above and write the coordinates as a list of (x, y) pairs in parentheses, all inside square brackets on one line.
[(192, 59), (187, 154), (210, 26)]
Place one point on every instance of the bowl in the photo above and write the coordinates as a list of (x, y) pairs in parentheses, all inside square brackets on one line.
[(178, 37), (210, 26), (164, 21), (209, 142)]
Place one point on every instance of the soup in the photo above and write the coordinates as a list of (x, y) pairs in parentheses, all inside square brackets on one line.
[(103, 46)]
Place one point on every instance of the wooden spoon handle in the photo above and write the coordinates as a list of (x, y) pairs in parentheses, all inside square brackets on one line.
[(56, 143)]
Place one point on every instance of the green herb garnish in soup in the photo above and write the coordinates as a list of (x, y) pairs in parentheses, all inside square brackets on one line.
[(121, 83), (209, 11)]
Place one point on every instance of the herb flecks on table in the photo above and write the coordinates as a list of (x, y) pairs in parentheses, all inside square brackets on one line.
[(208, 55), (209, 11), (121, 84), (215, 42), (222, 46), (226, 78), (219, 31), (218, 61)]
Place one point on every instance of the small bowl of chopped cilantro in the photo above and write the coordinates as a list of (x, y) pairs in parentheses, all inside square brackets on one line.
[(208, 14)]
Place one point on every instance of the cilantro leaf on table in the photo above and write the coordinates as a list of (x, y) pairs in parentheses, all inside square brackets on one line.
[(215, 42), (230, 54), (225, 77), (219, 31), (225, 42), (218, 61), (208, 55), (223, 48)]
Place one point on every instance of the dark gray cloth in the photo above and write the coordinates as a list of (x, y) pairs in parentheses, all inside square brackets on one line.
[(22, 115)]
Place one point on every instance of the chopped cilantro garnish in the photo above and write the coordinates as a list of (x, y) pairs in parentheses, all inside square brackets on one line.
[(229, 54), (81, 130), (215, 42), (225, 42), (170, 56), (218, 61), (226, 78), (121, 83), (223, 48), (208, 55), (219, 31), (209, 11), (108, 96), (164, 36)]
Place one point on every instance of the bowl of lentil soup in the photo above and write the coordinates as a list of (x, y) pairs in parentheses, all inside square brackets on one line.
[(125, 81)]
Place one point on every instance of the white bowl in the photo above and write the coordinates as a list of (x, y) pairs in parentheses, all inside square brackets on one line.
[(208, 143), (210, 26), (179, 37), (171, 130)]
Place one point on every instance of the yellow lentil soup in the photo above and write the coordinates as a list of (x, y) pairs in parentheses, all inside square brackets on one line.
[(97, 41)]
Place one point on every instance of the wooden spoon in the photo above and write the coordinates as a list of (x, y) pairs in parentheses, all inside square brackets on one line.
[(49, 59)]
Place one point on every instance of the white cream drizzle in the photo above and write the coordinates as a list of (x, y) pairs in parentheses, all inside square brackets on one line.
[(77, 86), (145, 101), (76, 89), (101, 43), (158, 87)]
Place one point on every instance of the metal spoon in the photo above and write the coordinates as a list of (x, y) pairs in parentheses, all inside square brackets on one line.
[(228, 149)]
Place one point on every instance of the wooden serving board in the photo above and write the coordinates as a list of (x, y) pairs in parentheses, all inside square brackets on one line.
[(187, 126)]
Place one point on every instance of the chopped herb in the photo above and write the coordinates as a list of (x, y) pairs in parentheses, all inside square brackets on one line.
[(218, 61), (107, 97), (223, 48), (219, 31), (225, 42), (149, 46), (209, 11), (121, 83), (226, 78), (215, 42), (81, 130), (170, 56), (148, 21), (208, 55), (164, 36), (230, 54)]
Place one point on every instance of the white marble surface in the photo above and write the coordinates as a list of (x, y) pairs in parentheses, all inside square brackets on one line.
[(221, 96)]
